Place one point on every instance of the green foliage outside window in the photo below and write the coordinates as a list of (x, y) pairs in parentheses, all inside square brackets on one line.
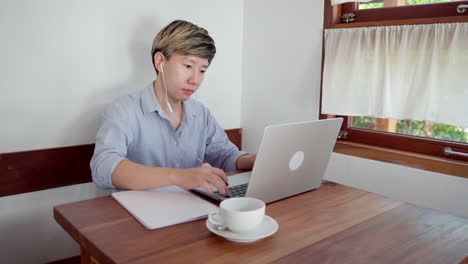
[(407, 2), (419, 2), (370, 5), (418, 128), (365, 122)]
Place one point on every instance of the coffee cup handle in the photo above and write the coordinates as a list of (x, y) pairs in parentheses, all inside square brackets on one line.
[(212, 218)]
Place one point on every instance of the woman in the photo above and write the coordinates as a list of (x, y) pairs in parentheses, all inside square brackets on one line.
[(159, 136)]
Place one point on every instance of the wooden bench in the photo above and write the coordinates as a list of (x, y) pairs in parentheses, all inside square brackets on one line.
[(36, 170)]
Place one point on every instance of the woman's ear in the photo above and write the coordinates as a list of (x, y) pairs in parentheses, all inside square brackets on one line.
[(159, 58)]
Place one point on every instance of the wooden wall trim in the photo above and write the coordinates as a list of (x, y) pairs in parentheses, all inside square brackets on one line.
[(235, 135), (29, 171), (36, 170), (404, 158)]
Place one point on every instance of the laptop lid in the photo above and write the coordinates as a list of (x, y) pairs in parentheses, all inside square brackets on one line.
[(292, 158)]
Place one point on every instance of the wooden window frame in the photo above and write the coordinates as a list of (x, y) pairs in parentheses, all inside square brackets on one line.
[(401, 15), (423, 11), (412, 151)]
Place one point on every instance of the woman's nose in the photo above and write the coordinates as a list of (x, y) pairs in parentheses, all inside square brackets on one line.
[(195, 78)]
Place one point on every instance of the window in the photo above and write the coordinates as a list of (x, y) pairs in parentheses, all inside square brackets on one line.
[(419, 137), (392, 10)]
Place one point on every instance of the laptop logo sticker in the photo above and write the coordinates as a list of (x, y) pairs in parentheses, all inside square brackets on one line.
[(296, 160)]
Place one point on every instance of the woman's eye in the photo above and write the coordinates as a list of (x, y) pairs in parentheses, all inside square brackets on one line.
[(188, 66), (203, 72)]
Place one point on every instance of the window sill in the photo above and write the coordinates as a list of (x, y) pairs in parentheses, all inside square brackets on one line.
[(404, 158)]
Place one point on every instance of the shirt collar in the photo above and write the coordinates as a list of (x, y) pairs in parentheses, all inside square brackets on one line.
[(190, 108), (150, 103)]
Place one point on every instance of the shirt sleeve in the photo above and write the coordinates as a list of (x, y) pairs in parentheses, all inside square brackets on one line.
[(112, 139), (220, 151)]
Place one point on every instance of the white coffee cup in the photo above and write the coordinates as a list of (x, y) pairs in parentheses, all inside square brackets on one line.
[(240, 214)]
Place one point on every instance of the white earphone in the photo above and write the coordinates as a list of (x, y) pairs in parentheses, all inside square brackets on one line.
[(165, 88)]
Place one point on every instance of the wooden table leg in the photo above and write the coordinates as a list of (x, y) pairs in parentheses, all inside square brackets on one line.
[(86, 258)]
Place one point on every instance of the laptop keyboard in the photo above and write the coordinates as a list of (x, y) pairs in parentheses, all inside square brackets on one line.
[(236, 191)]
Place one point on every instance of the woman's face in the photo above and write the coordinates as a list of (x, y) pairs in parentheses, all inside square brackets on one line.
[(183, 75)]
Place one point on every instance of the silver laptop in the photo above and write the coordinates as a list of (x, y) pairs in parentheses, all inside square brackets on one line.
[(292, 159)]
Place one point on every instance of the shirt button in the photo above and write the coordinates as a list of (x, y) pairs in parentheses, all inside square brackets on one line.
[(175, 142)]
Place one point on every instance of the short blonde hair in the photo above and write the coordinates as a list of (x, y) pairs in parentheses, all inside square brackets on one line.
[(184, 38)]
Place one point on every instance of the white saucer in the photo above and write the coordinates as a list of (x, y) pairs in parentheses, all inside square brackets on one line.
[(267, 228)]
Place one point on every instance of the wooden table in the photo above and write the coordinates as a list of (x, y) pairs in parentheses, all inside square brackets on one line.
[(334, 224)]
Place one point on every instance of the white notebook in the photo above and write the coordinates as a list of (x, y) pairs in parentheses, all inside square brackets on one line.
[(162, 207)]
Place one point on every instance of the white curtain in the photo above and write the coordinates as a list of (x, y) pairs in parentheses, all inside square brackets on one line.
[(337, 2), (417, 72)]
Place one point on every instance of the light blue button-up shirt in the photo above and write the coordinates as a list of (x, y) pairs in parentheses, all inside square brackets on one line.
[(135, 127)]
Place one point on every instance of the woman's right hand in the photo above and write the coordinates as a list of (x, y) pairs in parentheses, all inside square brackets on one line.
[(201, 177)]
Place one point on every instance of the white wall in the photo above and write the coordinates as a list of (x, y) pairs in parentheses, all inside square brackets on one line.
[(424, 188), (62, 62), (27, 227), (282, 64)]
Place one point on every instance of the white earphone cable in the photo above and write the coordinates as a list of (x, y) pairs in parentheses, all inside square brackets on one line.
[(172, 112), (164, 83)]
